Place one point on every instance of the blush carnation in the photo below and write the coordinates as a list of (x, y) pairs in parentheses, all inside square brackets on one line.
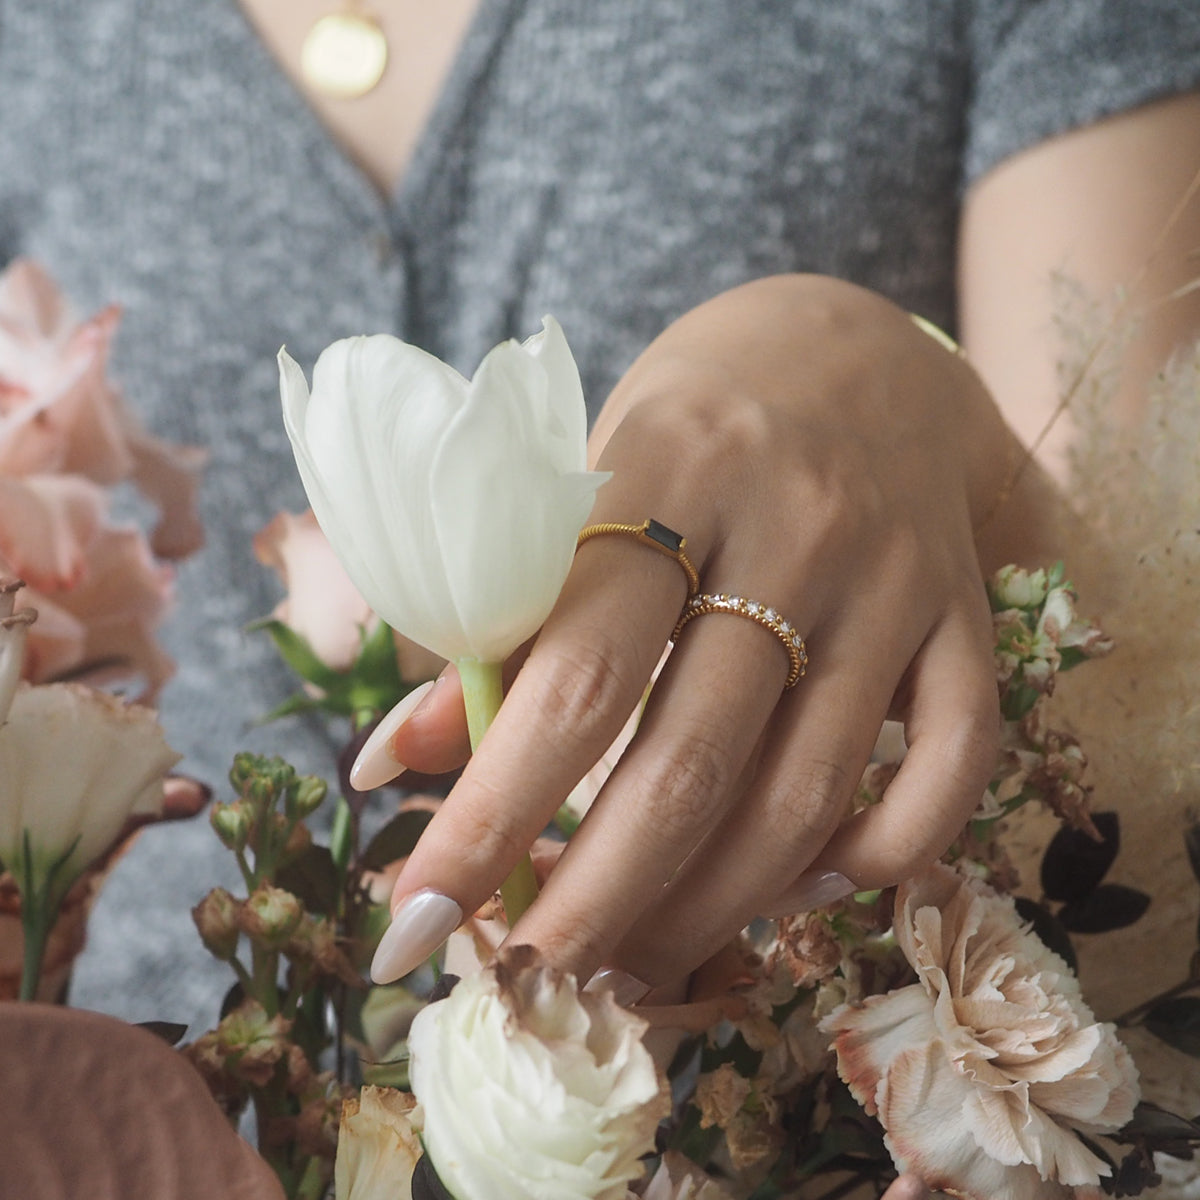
[(984, 1071)]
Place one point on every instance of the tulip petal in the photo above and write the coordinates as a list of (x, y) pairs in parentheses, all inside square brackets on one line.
[(360, 442), (507, 555)]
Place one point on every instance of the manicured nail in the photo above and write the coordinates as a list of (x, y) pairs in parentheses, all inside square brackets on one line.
[(815, 890), (375, 764), (419, 926), (908, 1187), (626, 990)]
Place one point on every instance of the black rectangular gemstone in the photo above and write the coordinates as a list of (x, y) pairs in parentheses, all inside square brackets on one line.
[(668, 539)]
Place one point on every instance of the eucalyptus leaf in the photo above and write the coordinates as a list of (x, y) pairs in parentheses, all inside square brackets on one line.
[(1049, 929), (1152, 1121), (1191, 839), (312, 877), (1177, 1022), (395, 840), (1110, 906), (425, 1182), (169, 1031), (1075, 863)]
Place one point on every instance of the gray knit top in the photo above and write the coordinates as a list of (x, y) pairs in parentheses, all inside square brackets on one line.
[(610, 162)]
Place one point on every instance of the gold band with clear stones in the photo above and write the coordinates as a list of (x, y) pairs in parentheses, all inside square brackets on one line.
[(650, 533), (703, 603)]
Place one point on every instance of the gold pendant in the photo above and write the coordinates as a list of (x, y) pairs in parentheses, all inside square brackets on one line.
[(344, 55)]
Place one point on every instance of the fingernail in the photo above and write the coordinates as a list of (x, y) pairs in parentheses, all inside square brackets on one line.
[(375, 764), (419, 926), (626, 989), (815, 890)]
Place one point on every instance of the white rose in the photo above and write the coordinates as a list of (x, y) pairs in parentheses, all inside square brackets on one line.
[(982, 1072), (454, 505), (378, 1146), (531, 1091)]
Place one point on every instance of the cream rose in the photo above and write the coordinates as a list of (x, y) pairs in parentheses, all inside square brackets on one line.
[(982, 1072), (531, 1091)]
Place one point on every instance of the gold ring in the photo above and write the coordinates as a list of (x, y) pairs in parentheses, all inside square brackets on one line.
[(703, 603), (650, 533)]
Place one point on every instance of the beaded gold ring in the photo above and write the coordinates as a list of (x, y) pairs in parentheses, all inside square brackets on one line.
[(650, 533), (704, 603)]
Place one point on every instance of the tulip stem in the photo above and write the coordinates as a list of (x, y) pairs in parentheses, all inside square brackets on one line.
[(483, 690)]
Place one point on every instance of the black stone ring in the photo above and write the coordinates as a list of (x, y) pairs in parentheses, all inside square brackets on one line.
[(654, 534)]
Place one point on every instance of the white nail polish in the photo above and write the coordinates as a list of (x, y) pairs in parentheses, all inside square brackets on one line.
[(375, 764), (812, 891), (419, 926), (626, 989)]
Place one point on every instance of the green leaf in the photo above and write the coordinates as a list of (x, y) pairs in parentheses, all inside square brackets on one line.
[(297, 652), (395, 840), (340, 834), (1177, 1022)]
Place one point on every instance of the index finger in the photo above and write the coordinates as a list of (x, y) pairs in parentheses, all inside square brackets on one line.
[(585, 674)]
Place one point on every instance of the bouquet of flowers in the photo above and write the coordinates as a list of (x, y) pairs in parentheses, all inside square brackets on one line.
[(937, 1028)]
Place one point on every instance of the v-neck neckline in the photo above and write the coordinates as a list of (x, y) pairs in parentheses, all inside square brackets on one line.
[(482, 39)]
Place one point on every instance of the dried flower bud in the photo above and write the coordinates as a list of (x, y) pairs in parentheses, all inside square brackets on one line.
[(1014, 587), (232, 823), (315, 944), (252, 1043), (216, 918), (270, 916), (304, 797)]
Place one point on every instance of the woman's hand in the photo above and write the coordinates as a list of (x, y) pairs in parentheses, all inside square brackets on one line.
[(824, 456)]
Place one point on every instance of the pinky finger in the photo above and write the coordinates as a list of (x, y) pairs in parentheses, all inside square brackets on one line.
[(952, 726)]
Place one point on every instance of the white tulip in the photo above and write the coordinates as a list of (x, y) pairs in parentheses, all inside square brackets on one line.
[(75, 765), (530, 1091), (453, 505)]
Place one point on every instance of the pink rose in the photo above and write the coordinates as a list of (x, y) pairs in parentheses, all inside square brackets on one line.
[(65, 436), (322, 605), (982, 1072)]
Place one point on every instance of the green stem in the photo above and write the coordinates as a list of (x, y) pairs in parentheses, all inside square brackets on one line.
[(483, 690), (35, 925), (39, 910)]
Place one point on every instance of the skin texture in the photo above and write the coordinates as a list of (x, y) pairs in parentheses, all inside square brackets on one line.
[(824, 456)]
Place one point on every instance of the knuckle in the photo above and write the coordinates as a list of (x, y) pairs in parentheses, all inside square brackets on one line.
[(814, 795), (688, 778), (496, 841), (583, 687), (580, 940)]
